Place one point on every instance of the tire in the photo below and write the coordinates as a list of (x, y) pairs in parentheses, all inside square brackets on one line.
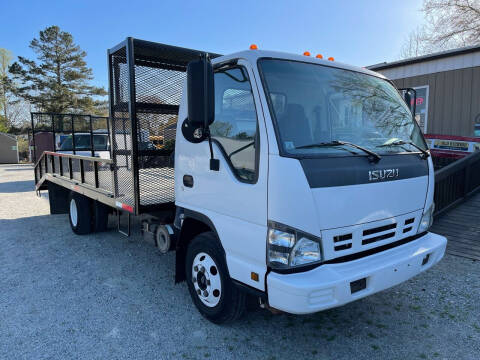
[(162, 239), (224, 302), (100, 218), (80, 214)]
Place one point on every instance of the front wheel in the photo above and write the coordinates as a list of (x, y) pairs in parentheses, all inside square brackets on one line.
[(213, 292)]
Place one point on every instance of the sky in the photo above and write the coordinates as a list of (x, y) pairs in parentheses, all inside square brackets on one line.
[(361, 32)]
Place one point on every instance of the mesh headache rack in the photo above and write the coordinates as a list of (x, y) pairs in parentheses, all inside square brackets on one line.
[(145, 80)]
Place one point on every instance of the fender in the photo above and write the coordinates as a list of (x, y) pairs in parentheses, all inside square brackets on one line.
[(191, 223)]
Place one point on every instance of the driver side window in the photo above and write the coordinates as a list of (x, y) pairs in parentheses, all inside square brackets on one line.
[(235, 125)]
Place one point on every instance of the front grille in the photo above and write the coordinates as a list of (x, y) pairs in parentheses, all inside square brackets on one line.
[(362, 237), (343, 247), (378, 238), (342, 242), (376, 230), (379, 229)]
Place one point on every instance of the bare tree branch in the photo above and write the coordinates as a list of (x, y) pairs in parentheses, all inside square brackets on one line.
[(448, 24)]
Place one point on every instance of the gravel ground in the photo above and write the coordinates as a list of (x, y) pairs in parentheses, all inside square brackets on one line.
[(108, 296)]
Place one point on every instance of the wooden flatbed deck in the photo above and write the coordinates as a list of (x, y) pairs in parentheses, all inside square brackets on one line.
[(461, 226)]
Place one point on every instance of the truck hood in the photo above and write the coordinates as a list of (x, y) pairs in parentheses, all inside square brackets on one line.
[(358, 204), (352, 204), (351, 191), (314, 195)]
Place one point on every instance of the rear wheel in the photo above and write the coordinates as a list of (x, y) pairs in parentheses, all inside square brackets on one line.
[(213, 292), (80, 214)]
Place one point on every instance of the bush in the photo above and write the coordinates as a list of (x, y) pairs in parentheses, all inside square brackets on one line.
[(22, 144)]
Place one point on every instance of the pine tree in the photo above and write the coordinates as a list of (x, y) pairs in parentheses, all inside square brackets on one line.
[(58, 81)]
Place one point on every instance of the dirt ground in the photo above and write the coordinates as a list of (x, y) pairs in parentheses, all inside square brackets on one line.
[(108, 296)]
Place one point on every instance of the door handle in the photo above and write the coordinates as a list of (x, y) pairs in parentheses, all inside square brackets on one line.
[(188, 180)]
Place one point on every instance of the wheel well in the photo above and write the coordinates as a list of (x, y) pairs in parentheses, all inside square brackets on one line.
[(58, 198), (190, 228)]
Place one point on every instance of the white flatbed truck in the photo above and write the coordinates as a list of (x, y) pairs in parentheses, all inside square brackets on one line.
[(303, 182)]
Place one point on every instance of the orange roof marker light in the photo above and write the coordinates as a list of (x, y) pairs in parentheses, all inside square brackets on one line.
[(253, 47), (331, 59), (319, 56), (306, 53)]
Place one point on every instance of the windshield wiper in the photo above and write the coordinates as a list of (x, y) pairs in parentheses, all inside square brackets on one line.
[(372, 156), (399, 142)]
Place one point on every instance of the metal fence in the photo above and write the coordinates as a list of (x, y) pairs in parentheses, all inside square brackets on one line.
[(455, 182)]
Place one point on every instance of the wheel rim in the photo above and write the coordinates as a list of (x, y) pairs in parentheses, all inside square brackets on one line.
[(206, 279), (73, 212)]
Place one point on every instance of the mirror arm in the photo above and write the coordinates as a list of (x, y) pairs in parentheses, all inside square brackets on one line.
[(414, 102), (214, 163)]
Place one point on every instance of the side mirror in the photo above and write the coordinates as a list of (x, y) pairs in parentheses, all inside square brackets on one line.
[(201, 100), (411, 103), (408, 99)]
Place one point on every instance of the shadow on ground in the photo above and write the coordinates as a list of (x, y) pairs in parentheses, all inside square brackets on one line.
[(20, 168), (17, 186)]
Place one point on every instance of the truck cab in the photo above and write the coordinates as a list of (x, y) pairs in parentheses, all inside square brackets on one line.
[(321, 188)]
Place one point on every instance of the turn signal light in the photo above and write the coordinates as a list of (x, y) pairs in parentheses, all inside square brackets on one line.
[(319, 56), (306, 53), (253, 47), (331, 59)]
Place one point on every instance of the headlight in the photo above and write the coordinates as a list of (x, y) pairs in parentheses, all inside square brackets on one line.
[(288, 248), (427, 219)]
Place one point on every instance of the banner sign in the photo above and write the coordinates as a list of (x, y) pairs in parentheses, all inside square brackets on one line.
[(444, 145)]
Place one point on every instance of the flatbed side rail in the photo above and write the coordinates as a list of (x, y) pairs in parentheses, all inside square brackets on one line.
[(94, 172), (456, 182)]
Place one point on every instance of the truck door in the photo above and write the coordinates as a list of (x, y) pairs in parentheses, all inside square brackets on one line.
[(235, 197)]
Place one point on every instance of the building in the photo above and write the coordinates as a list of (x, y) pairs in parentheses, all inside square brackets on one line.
[(448, 89), (8, 149)]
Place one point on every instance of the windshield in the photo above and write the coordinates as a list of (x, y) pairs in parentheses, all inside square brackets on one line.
[(319, 105)]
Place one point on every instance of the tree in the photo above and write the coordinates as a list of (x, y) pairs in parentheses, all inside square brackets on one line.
[(3, 124), (58, 80), (5, 88), (415, 44), (448, 24), (15, 112), (452, 23)]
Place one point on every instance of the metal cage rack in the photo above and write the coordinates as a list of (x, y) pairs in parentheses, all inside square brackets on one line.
[(145, 80), (50, 129)]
